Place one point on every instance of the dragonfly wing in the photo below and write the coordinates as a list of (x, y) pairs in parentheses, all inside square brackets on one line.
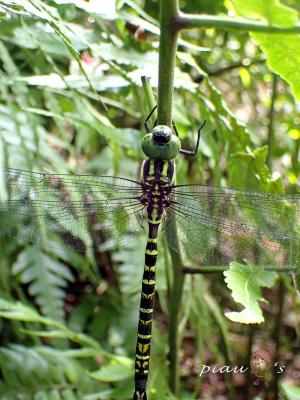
[(217, 225), (88, 213)]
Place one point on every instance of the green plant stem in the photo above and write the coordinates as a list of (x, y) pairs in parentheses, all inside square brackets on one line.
[(277, 329), (239, 64), (271, 121), (186, 21), (175, 301), (281, 288), (167, 58)]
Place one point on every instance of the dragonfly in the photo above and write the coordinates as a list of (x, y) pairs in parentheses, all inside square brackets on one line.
[(207, 225)]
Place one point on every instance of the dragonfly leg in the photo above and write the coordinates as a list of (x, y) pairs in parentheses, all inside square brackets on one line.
[(190, 152), (175, 128), (146, 125)]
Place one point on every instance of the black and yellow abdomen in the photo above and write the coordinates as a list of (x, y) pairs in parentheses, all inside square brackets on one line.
[(146, 314), (158, 175)]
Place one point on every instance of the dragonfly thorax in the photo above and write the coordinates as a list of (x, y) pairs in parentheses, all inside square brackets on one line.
[(156, 195), (157, 183)]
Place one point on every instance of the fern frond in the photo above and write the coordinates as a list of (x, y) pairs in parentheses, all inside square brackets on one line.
[(42, 373), (46, 279)]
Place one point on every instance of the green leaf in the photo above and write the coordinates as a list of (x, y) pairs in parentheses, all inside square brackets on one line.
[(283, 56), (47, 371), (120, 55), (271, 10), (115, 371), (290, 392), (215, 310), (296, 283), (51, 16), (31, 8), (92, 119), (46, 278), (282, 50), (101, 7), (20, 312), (224, 119), (245, 282), (75, 81), (250, 168)]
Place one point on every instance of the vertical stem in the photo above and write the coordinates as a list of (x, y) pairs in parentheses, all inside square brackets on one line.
[(281, 289), (167, 59), (277, 335), (175, 300), (249, 352), (271, 121)]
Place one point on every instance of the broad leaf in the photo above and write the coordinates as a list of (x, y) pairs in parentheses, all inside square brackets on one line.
[(283, 56), (282, 50), (271, 10), (245, 282)]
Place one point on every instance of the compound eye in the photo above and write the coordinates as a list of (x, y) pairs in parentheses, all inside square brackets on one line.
[(161, 134)]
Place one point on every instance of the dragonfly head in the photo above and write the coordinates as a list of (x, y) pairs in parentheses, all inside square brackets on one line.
[(161, 144), (161, 134)]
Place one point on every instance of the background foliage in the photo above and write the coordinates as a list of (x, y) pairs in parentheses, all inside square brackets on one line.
[(71, 102)]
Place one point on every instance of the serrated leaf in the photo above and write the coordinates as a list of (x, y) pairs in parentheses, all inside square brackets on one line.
[(282, 50), (271, 10), (283, 56), (245, 282)]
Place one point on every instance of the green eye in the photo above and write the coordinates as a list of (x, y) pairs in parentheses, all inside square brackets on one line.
[(158, 150)]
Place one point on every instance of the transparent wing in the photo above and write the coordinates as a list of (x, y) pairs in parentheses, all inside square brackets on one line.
[(216, 225), (88, 213)]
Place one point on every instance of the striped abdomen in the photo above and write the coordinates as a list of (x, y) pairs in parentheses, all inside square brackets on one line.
[(158, 176), (142, 357)]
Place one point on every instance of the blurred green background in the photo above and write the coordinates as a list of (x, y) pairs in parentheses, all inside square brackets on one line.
[(71, 101)]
